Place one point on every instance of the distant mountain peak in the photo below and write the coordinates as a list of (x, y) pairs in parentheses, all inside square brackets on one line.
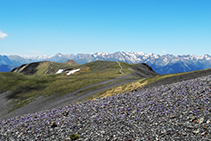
[(59, 55)]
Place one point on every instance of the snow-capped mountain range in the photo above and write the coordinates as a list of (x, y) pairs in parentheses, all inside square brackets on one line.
[(161, 64)]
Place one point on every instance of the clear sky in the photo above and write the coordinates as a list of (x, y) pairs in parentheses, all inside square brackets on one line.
[(47, 27)]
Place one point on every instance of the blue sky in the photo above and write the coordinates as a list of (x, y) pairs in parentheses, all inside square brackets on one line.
[(46, 27)]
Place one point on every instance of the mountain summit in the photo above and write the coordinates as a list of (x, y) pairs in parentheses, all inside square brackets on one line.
[(71, 62)]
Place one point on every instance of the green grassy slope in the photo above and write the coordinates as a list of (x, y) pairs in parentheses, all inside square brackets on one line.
[(25, 88)]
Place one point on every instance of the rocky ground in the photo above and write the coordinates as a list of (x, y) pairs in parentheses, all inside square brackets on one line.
[(176, 111)]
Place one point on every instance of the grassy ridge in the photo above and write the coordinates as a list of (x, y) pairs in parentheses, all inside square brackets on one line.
[(25, 89)]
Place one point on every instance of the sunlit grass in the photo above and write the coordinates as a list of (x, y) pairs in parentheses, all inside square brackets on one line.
[(132, 86), (117, 90)]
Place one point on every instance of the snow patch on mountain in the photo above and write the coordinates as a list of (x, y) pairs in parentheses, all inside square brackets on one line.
[(165, 60), (67, 71), (59, 71), (42, 57), (73, 71)]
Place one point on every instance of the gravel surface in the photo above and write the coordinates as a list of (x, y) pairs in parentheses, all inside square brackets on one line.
[(178, 111)]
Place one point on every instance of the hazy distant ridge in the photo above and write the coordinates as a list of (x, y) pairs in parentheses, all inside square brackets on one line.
[(160, 63)]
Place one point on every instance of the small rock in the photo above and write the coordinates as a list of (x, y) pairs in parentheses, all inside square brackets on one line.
[(196, 131), (201, 120)]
